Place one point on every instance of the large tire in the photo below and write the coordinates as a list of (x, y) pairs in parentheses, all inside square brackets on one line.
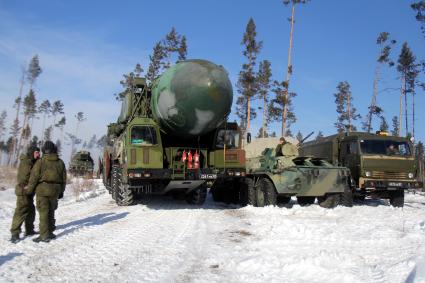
[(197, 196), (123, 194), (397, 198), (230, 194), (267, 190), (347, 198), (329, 200), (217, 194), (304, 201), (247, 192), (283, 199)]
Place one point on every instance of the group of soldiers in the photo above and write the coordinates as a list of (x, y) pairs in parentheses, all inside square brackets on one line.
[(45, 178)]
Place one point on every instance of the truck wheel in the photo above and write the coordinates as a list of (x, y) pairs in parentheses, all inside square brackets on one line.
[(304, 201), (347, 198), (123, 194), (231, 194), (114, 180), (247, 192), (197, 196), (217, 194), (269, 192), (397, 198), (329, 200), (283, 199)]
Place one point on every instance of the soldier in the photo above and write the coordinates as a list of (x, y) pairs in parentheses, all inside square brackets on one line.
[(278, 149), (25, 210), (48, 180)]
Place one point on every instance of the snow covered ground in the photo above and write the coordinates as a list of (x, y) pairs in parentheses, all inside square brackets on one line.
[(165, 240)]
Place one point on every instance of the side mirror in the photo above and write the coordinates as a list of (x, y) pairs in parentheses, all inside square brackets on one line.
[(248, 138)]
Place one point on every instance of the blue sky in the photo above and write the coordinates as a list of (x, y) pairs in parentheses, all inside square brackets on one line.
[(85, 47)]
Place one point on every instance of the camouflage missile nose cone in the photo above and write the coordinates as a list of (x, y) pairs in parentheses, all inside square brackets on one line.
[(191, 98)]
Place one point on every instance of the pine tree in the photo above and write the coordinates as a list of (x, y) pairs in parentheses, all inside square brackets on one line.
[(158, 55), (278, 105), (385, 44), (395, 124), (61, 125), (92, 142), (101, 143), (247, 85), (30, 110), (408, 70), (59, 146), (262, 134), (80, 118), (73, 141), (182, 49), (384, 125), (299, 137), (3, 117), (57, 108), (345, 109), (45, 110), (264, 84), (12, 146), (48, 134), (34, 70), (419, 8), (319, 136), (289, 69)]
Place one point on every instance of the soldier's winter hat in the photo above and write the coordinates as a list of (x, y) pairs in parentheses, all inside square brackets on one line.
[(49, 147), (31, 149), (282, 139)]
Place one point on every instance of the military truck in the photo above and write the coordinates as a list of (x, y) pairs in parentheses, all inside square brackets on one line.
[(274, 179), (381, 166), (81, 164), (172, 136)]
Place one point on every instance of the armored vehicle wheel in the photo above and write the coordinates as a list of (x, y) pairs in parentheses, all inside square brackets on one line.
[(347, 198), (283, 199), (247, 192), (266, 193), (197, 196), (123, 194), (329, 200), (304, 201), (397, 198)]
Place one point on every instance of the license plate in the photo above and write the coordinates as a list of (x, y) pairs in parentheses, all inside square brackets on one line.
[(394, 184)]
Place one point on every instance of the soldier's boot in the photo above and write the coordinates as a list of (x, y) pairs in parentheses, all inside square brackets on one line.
[(15, 238), (52, 236), (31, 233), (39, 239)]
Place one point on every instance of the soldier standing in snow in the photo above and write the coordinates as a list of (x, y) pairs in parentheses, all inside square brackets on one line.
[(25, 210), (48, 180)]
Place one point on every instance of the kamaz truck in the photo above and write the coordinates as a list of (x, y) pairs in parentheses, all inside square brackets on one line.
[(172, 136), (381, 166)]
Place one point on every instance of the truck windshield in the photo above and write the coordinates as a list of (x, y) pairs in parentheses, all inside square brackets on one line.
[(230, 138), (385, 147), (143, 135)]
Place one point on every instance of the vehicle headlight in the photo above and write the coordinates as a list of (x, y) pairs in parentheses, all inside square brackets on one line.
[(410, 175), (368, 173)]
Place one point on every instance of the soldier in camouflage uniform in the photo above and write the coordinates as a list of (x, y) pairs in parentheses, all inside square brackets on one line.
[(25, 210), (48, 180)]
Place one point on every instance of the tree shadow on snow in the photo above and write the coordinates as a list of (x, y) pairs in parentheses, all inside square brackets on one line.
[(9, 256), (94, 220)]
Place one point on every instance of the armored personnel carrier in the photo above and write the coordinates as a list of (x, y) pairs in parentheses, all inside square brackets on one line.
[(274, 179), (172, 136), (81, 164)]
